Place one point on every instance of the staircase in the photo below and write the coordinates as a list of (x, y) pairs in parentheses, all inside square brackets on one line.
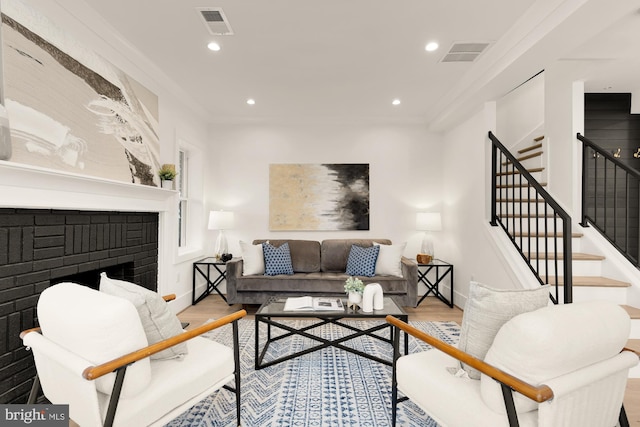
[(587, 279)]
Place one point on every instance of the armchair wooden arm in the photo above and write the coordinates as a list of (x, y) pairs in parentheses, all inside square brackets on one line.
[(540, 393), (93, 372), (169, 297)]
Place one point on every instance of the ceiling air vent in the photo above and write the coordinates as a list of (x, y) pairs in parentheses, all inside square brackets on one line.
[(464, 52), (215, 20)]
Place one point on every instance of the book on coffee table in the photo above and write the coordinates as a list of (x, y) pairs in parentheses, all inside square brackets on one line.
[(313, 304)]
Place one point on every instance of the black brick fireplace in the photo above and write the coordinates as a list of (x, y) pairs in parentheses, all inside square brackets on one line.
[(39, 248)]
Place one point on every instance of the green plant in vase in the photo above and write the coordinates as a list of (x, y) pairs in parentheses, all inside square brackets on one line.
[(167, 174), (354, 289)]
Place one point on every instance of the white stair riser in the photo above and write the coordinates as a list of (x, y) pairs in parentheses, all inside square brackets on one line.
[(579, 268), (635, 329), (634, 372), (533, 224), (532, 244), (591, 293), (521, 207)]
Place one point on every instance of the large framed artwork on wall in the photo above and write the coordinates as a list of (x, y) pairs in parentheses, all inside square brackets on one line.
[(71, 110), (309, 197)]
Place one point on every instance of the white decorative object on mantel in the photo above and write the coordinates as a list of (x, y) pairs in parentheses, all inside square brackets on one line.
[(372, 298)]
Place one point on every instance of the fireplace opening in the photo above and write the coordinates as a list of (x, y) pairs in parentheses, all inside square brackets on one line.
[(92, 278)]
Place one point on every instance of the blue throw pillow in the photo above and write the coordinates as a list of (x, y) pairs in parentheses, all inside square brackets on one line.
[(362, 261), (277, 260)]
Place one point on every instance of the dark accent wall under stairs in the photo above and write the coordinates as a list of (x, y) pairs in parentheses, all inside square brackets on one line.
[(39, 248), (609, 123)]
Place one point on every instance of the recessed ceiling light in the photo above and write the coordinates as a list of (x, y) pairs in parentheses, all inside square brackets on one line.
[(396, 102), (251, 101), (431, 46), (214, 46)]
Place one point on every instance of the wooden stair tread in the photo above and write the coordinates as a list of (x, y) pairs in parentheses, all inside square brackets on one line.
[(532, 170), (523, 158), (604, 282), (634, 313), (576, 256), (526, 234), (524, 185), (531, 147)]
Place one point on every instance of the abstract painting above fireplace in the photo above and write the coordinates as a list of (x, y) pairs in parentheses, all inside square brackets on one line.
[(70, 109)]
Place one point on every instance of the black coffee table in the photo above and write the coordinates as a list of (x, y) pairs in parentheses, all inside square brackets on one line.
[(274, 308)]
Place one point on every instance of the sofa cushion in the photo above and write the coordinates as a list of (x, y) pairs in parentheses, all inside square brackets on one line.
[(158, 321), (487, 309), (277, 260), (335, 252), (315, 283), (305, 254), (362, 261)]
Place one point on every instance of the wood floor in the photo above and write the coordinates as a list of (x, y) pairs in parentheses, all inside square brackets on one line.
[(431, 309)]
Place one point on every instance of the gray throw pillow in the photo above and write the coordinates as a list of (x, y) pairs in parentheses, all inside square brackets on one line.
[(487, 309), (158, 322)]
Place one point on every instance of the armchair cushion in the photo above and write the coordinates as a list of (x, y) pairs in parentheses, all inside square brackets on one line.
[(158, 321), (547, 343), (449, 400), (108, 326), (207, 366), (487, 309)]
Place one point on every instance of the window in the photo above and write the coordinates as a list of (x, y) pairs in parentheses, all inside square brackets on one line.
[(190, 207), (183, 191)]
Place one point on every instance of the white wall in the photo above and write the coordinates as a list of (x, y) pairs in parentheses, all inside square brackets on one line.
[(405, 174), (179, 118), (466, 199), (520, 112)]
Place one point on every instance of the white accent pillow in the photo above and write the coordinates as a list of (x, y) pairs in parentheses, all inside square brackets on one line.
[(158, 322), (252, 259), (389, 262), (487, 309)]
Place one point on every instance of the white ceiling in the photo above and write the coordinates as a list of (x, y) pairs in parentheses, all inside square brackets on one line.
[(347, 60)]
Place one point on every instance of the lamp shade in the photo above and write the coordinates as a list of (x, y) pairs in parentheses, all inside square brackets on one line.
[(428, 221), (220, 220)]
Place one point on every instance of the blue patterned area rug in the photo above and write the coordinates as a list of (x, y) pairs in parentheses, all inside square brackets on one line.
[(329, 387)]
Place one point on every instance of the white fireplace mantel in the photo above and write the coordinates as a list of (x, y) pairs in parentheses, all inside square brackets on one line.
[(24, 186)]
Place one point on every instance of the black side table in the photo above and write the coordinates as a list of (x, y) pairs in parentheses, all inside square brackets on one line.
[(203, 267), (442, 270)]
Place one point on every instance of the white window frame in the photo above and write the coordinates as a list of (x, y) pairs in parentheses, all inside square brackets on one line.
[(189, 238)]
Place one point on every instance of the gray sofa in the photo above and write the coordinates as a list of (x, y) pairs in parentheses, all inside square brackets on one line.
[(319, 269)]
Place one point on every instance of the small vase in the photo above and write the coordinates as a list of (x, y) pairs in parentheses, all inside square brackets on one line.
[(167, 184), (354, 301)]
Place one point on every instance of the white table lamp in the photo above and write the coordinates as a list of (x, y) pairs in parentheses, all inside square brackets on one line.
[(428, 222), (221, 220)]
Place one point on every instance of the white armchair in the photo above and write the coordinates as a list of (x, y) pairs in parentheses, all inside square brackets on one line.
[(563, 365), (89, 339)]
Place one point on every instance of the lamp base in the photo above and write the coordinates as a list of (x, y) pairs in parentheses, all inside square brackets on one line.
[(221, 245)]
